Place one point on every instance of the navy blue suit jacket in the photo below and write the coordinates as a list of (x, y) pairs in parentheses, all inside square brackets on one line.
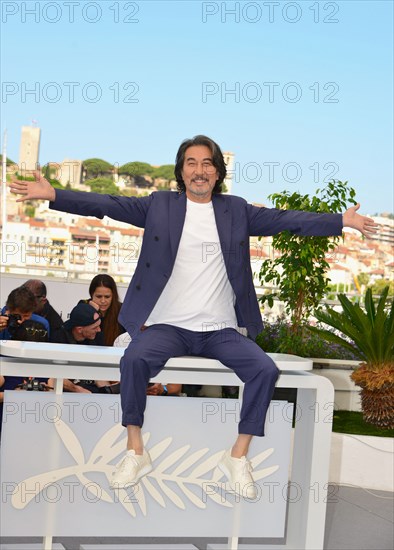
[(162, 214)]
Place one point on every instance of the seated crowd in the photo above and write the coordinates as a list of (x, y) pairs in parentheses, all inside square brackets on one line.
[(28, 315)]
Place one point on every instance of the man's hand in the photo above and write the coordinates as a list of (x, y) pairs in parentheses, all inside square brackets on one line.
[(365, 225), (155, 389), (96, 306), (31, 190), (3, 322)]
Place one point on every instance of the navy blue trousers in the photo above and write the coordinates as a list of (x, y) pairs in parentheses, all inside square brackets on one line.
[(148, 352)]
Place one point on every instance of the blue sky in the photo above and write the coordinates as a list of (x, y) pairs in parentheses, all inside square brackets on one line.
[(327, 65)]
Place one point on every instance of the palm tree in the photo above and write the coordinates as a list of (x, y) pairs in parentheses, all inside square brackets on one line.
[(369, 332)]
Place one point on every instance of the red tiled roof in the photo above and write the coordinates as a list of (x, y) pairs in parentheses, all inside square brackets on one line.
[(91, 235), (37, 223), (131, 232)]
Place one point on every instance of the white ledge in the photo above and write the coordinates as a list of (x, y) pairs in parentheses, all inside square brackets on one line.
[(110, 356), (349, 364)]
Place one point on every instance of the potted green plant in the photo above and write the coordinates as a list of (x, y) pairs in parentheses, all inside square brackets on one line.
[(370, 332), (298, 274)]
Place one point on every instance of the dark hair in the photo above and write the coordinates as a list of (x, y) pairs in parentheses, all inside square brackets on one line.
[(109, 323), (217, 161), (23, 299), (36, 286)]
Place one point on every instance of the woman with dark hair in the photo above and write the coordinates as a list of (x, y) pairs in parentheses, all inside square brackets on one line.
[(105, 298)]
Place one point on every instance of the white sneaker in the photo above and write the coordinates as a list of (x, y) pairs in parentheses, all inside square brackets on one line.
[(130, 469), (238, 472)]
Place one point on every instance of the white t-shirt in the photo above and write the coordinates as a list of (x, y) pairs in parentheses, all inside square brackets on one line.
[(198, 295)]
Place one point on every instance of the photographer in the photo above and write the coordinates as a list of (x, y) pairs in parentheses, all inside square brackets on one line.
[(31, 331), (43, 307), (19, 308), (18, 322)]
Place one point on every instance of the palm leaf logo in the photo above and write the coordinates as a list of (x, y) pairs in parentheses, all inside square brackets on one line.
[(179, 469)]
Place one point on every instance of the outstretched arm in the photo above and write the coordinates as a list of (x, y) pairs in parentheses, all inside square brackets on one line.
[(29, 190), (126, 209), (270, 221), (365, 225)]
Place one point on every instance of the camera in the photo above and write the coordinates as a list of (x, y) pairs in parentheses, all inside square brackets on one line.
[(12, 324), (32, 385), (30, 331)]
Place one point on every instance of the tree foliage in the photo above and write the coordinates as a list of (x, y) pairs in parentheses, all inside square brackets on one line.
[(8, 161), (96, 168), (55, 183), (136, 168), (20, 177), (30, 211), (48, 173), (103, 186), (166, 171), (363, 278), (378, 286), (299, 272)]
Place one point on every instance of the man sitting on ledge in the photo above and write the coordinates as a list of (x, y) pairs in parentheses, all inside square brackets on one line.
[(192, 289)]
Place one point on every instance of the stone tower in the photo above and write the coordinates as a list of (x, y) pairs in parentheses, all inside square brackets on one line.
[(29, 150)]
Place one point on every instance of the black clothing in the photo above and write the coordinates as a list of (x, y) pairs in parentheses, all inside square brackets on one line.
[(54, 320), (64, 336)]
